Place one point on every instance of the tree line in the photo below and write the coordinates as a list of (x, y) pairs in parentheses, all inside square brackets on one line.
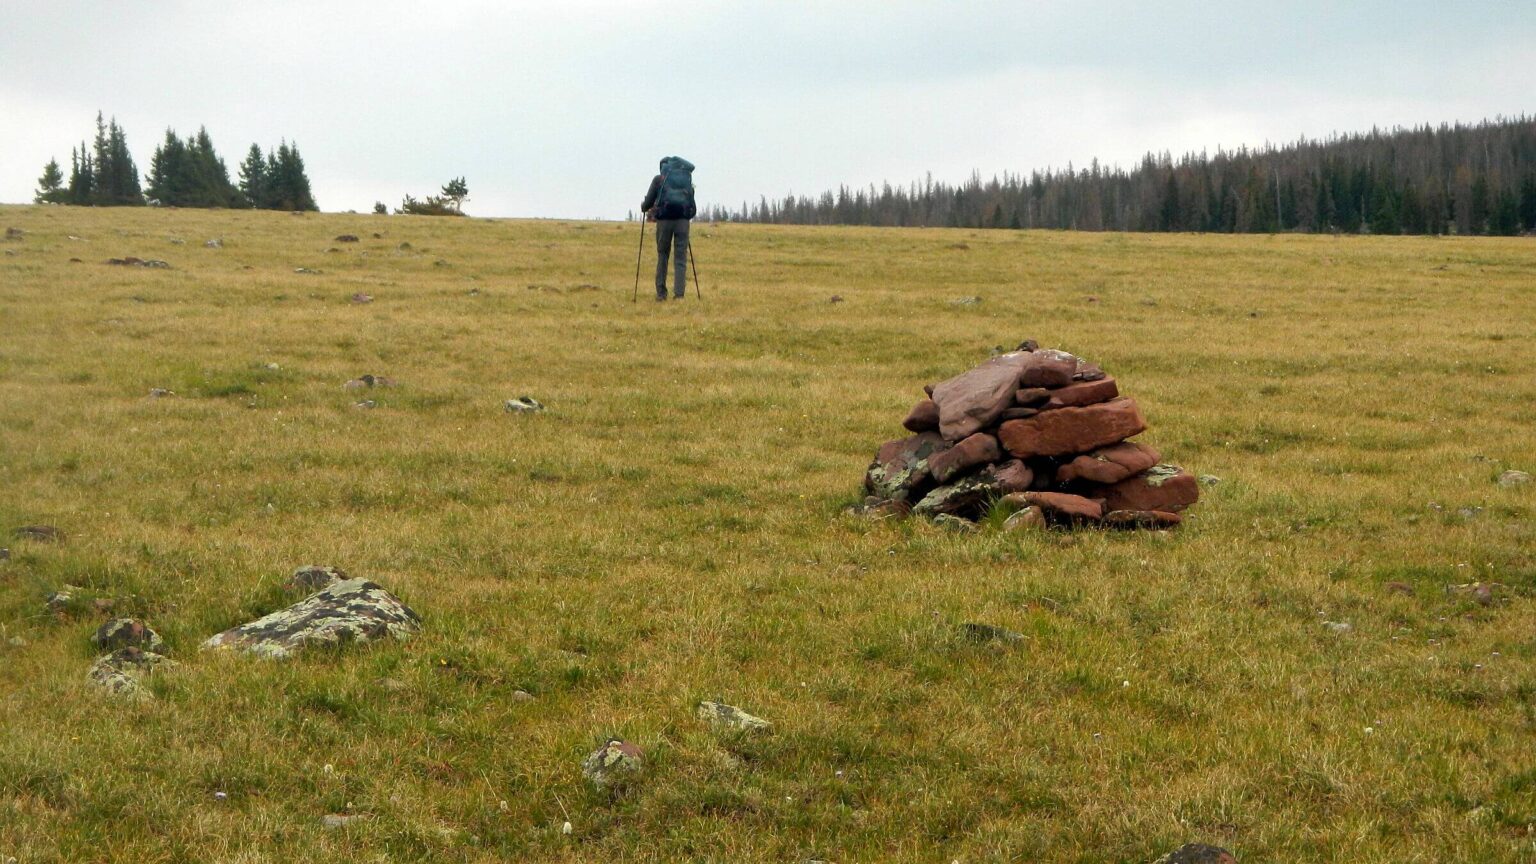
[(1461, 179), (186, 173)]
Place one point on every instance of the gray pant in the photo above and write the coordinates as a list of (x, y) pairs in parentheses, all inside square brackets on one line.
[(671, 236)]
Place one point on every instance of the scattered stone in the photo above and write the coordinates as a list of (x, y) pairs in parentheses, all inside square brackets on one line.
[(39, 533), (1399, 588), (613, 766), (345, 238), (1065, 507), (16, 642), (393, 685), (1198, 853), (965, 301), (1073, 430), (177, 241), (900, 470), (160, 393), (1208, 480), (361, 298), (523, 405), (1028, 519), (127, 633), (988, 633), (725, 716), (336, 821), (365, 405), (366, 381), (1109, 464), (977, 449), (306, 271), (353, 611), (1514, 478), (121, 673), (1481, 593), (1168, 488), (522, 696), (1339, 626), (5, 553), (14, 234), (835, 298), (314, 577), (215, 243), (924, 417), (404, 247), (130, 261), (951, 522)]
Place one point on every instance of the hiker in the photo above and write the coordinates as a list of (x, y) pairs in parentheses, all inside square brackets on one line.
[(669, 203)]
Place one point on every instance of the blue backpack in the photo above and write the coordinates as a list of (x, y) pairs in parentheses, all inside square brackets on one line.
[(675, 200)]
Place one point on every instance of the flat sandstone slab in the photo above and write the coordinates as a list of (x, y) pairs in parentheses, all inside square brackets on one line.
[(1066, 431)]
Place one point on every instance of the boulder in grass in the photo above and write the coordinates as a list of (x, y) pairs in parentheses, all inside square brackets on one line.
[(730, 717), (1168, 488), (313, 577), (1064, 507), (523, 405), (900, 471), (924, 417), (353, 611), (127, 633), (1029, 519), (1080, 393), (977, 449), (1109, 464), (1198, 853), (613, 766), (121, 674), (1153, 519), (1073, 430), (971, 401)]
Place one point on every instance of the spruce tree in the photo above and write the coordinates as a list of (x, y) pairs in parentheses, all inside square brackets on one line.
[(50, 185), (168, 172), (1528, 202), (253, 179)]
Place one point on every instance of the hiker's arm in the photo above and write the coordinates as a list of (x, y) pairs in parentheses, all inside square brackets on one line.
[(650, 195)]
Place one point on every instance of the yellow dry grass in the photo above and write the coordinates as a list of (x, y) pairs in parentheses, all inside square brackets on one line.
[(670, 530)]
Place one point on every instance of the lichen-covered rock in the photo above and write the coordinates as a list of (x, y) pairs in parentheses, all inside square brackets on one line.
[(951, 522), (313, 577), (127, 633), (352, 611), (1164, 487), (900, 470), (60, 600), (1514, 478), (966, 496), (1198, 853), (882, 509), (613, 766), (122, 672), (730, 717), (523, 405)]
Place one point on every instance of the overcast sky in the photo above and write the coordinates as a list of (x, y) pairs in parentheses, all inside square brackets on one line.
[(563, 108)]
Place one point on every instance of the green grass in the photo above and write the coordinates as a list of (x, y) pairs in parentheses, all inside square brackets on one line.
[(671, 530)]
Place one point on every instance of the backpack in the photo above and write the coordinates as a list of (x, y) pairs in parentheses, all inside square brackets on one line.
[(675, 199)]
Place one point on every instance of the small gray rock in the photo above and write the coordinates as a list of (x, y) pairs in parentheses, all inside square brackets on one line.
[(334, 821), (730, 717), (160, 393), (121, 673), (1198, 853), (215, 243), (1514, 478), (39, 533), (950, 522), (127, 633), (1339, 626), (523, 405), (989, 633), (965, 301), (1209, 479), (314, 577), (58, 602), (613, 766), (522, 696)]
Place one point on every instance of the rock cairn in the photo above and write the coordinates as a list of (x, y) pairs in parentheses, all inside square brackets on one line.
[(1040, 431)]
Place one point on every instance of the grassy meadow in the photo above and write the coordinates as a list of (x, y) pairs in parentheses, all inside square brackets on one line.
[(672, 530)]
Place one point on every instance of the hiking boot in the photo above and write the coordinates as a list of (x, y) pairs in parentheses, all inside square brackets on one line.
[(661, 298)]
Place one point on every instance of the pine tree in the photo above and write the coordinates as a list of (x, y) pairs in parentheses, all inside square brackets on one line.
[(253, 179), (1528, 202), (1479, 205), (456, 191), (50, 185), (82, 177), (1505, 221), (169, 172)]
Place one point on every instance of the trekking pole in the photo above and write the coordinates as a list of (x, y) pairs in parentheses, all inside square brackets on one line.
[(697, 291), (638, 254)]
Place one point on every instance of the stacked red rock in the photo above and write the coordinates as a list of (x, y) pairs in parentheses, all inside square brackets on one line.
[(1037, 429)]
